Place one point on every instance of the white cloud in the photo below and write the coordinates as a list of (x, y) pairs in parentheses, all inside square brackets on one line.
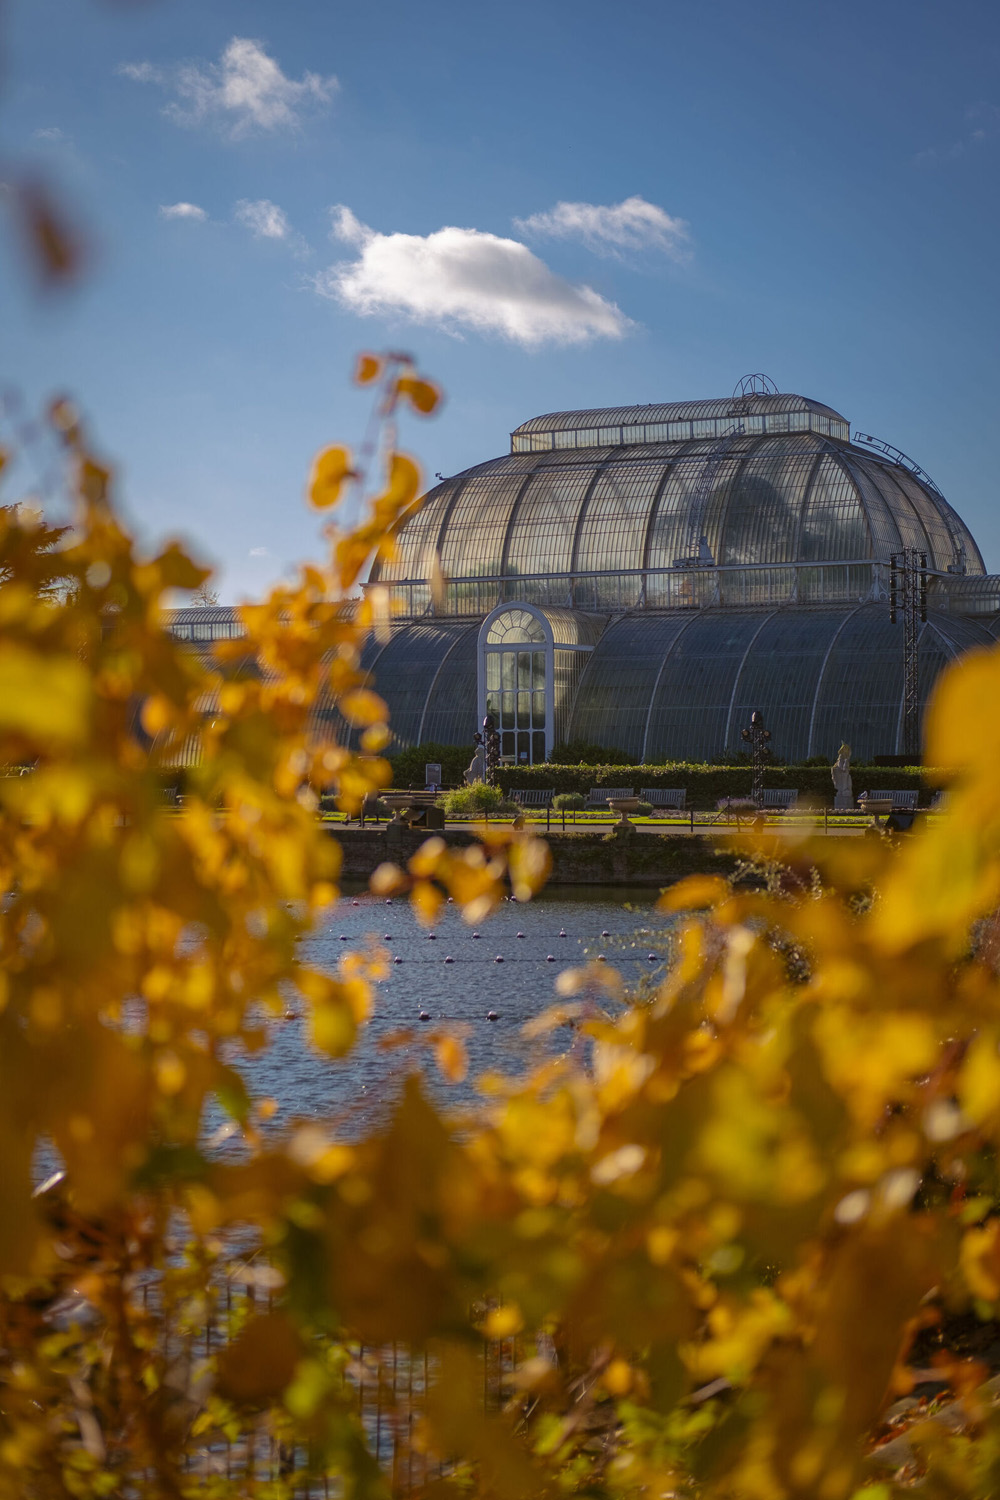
[(245, 91), (182, 211), (611, 228), (263, 218), (258, 552), (50, 134), (465, 278), (142, 72), (983, 121)]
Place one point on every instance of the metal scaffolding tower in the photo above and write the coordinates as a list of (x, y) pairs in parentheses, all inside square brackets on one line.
[(908, 597)]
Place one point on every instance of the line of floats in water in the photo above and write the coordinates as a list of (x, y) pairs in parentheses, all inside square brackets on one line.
[(491, 1015)]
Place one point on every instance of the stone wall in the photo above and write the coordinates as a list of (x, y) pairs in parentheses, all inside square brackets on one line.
[(591, 858)]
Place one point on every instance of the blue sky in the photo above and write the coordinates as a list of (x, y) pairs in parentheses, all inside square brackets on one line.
[(559, 204)]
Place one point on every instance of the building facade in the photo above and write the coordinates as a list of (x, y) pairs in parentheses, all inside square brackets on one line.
[(644, 578)]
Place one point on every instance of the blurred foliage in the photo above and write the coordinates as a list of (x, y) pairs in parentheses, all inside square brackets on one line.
[(707, 1233)]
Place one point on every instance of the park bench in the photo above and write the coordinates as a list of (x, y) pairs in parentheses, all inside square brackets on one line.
[(778, 799), (534, 799), (598, 799), (662, 796), (888, 801)]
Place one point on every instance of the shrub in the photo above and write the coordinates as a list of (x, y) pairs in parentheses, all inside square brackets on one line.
[(477, 801), (569, 801)]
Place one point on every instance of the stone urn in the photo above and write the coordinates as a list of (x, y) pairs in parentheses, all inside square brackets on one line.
[(623, 806)]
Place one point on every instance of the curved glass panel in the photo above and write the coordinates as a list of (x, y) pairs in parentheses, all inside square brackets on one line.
[(691, 703), (779, 677), (832, 519), (418, 536), (764, 505), (544, 521), (515, 625), (472, 544), (404, 673), (616, 688), (450, 712)]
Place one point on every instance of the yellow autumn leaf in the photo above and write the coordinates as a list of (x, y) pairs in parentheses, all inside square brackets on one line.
[(451, 1058), (422, 395), (694, 892), (44, 699), (367, 369), (330, 470), (363, 707)]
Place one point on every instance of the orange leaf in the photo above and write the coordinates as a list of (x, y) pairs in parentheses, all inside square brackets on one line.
[(329, 471), (421, 394), (367, 369)]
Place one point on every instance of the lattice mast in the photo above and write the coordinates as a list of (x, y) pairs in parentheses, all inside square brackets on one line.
[(908, 599)]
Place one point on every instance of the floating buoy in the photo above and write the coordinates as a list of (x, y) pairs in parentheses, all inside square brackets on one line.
[(491, 1015), (343, 937), (431, 936), (397, 959), (600, 958), (355, 903), (651, 957), (562, 932), (498, 959), (605, 933), (449, 959), (520, 934), (425, 1015), (451, 901), (475, 934), (290, 1015), (550, 958), (388, 900), (387, 937)]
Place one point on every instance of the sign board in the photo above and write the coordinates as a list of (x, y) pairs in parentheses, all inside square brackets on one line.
[(432, 774)]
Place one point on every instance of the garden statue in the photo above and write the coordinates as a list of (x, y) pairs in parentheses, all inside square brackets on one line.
[(843, 800), (477, 765)]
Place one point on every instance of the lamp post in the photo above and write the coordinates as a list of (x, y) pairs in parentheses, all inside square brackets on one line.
[(757, 737)]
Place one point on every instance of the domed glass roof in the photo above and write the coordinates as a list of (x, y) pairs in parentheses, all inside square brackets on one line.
[(614, 525)]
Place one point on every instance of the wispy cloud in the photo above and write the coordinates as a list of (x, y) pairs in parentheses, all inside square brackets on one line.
[(611, 229), (50, 134), (263, 218), (982, 124), (182, 211), (244, 91), (258, 552), (465, 278)]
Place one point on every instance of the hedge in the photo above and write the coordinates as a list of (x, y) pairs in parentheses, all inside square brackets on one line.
[(706, 785)]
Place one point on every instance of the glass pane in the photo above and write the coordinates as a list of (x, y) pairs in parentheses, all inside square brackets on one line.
[(523, 708), (538, 747), (492, 671), (507, 710), (507, 746), (538, 707), (507, 660), (538, 669), (524, 669)]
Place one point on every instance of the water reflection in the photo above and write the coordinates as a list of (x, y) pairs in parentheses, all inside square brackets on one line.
[(456, 978)]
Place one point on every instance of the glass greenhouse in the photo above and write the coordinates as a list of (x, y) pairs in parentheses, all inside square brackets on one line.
[(643, 578)]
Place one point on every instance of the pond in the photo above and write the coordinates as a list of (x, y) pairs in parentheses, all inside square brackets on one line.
[(453, 976)]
